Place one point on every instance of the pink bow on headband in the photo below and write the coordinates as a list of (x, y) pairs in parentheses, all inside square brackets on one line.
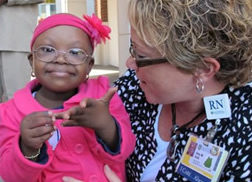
[(99, 32), (91, 25)]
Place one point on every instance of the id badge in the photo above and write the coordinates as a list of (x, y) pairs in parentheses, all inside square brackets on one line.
[(202, 161)]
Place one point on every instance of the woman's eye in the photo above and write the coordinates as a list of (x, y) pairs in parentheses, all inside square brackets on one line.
[(141, 57)]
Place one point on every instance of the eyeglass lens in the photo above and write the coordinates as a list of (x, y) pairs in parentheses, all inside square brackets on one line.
[(49, 54), (142, 62)]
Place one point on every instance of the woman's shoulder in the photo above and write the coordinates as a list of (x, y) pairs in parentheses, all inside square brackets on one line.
[(239, 123), (241, 106), (244, 90), (240, 97), (128, 79), (241, 103), (128, 88)]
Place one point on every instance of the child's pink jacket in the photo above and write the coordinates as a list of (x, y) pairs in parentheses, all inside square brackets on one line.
[(78, 153)]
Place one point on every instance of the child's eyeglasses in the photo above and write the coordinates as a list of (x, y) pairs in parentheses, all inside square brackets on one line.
[(141, 62), (73, 56)]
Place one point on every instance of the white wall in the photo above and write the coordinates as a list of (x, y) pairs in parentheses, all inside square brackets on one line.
[(119, 44), (77, 7), (113, 43), (90, 7), (61, 6), (124, 35)]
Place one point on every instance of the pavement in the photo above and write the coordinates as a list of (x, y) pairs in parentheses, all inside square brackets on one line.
[(111, 71)]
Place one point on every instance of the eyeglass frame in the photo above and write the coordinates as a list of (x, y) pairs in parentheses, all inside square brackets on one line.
[(57, 52), (142, 62)]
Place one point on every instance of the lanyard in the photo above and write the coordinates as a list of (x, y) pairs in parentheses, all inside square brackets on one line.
[(175, 127), (173, 144)]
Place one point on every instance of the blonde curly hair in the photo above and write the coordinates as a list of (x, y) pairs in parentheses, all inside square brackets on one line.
[(187, 31)]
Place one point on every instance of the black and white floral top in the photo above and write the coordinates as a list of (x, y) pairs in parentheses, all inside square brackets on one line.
[(234, 134)]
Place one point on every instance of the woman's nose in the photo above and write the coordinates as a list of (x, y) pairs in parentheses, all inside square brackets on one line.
[(131, 63)]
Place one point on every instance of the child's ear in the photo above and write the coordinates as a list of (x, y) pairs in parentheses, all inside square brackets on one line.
[(30, 58), (90, 64)]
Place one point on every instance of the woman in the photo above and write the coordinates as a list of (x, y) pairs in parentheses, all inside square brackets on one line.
[(182, 52)]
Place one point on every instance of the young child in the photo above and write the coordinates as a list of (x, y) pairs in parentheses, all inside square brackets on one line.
[(36, 143)]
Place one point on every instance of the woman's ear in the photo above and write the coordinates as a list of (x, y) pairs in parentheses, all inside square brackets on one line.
[(213, 66), (30, 58)]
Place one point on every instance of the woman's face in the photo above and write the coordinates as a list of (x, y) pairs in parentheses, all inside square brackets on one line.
[(161, 83), (59, 75)]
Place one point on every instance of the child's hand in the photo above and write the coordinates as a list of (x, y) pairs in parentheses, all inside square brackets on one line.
[(36, 128), (92, 113)]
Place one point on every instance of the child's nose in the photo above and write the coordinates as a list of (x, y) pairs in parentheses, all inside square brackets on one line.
[(61, 58)]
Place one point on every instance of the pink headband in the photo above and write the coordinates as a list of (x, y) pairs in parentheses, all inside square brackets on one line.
[(91, 25)]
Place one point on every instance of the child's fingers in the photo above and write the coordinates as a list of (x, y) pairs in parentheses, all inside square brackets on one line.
[(43, 138), (67, 114), (110, 93), (37, 119), (36, 142), (88, 102), (70, 123), (63, 115), (42, 130)]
